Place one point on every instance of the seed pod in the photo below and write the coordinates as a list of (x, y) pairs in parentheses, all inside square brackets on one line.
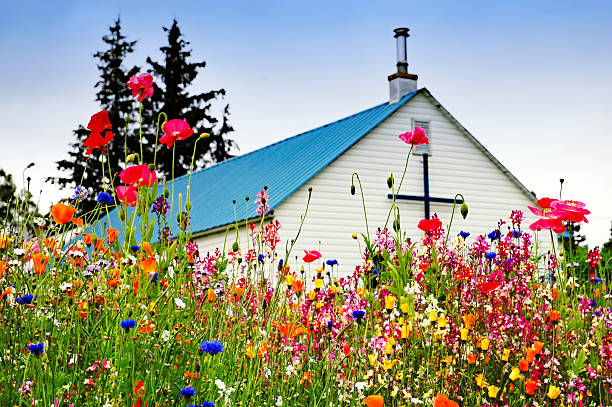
[(464, 210)]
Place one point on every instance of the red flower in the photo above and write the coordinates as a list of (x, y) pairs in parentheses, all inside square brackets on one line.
[(548, 220), (415, 137), (98, 124), (429, 225), (127, 195), (175, 129), (141, 85), (138, 175), (311, 256), (488, 286)]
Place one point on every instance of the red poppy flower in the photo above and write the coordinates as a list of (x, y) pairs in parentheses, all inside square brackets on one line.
[(138, 175), (530, 386), (99, 122), (429, 225), (311, 256), (96, 141), (570, 210), (127, 195), (175, 129), (141, 85), (415, 137), (488, 286)]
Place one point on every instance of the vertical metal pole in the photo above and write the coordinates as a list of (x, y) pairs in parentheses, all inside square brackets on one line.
[(426, 184)]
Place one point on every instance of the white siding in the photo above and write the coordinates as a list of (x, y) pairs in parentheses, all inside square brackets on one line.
[(456, 165)]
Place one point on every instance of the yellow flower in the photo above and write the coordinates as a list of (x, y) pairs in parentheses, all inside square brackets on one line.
[(318, 283), (515, 374), (289, 279), (406, 330), (448, 360), (388, 364), (442, 322), (493, 390), (4, 241), (553, 392), (390, 302), (484, 344), (372, 359), (464, 334), (319, 305), (312, 295), (433, 315), (480, 381), (506, 355), (388, 349), (405, 307)]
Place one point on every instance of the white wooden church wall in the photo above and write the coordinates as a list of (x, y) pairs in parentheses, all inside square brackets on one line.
[(456, 165)]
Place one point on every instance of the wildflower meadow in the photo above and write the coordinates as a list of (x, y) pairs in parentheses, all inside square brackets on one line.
[(112, 308)]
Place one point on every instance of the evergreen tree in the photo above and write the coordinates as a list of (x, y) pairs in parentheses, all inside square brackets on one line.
[(173, 77), (114, 96)]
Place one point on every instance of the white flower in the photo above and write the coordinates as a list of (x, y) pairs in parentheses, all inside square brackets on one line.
[(279, 401), (179, 303), (220, 385), (361, 386), (165, 335)]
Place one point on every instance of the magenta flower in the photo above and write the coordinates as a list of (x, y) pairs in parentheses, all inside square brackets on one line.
[(142, 86), (415, 137)]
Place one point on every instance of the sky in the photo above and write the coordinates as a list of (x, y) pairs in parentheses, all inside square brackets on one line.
[(530, 80)]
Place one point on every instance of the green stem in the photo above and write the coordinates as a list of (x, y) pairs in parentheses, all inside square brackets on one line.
[(365, 214), (400, 186)]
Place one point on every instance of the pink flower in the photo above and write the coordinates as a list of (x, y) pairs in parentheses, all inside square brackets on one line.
[(570, 210), (138, 175), (311, 256), (127, 195), (175, 129), (415, 137), (141, 85), (548, 220)]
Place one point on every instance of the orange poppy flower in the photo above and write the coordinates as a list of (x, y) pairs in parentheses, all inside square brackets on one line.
[(112, 235), (471, 357), (524, 365), (149, 265), (236, 292), (554, 316), (530, 386), (292, 330), (374, 401), (88, 238), (443, 401), (2, 268), (146, 246), (468, 320), (305, 379), (210, 296), (40, 263), (530, 355), (298, 286), (62, 213), (538, 346)]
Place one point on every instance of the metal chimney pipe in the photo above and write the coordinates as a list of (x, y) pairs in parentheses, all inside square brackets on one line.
[(401, 34)]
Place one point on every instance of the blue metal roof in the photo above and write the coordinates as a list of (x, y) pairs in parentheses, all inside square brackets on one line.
[(284, 167)]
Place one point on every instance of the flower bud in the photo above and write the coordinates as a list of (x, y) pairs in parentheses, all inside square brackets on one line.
[(235, 247), (464, 210), (390, 181), (188, 206), (151, 167), (354, 236), (166, 193), (353, 189), (122, 214), (203, 136), (131, 158), (139, 211)]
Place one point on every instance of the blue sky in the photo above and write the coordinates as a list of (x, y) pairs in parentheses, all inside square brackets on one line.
[(531, 80)]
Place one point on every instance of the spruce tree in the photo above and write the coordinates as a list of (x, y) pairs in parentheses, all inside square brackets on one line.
[(173, 76), (114, 96)]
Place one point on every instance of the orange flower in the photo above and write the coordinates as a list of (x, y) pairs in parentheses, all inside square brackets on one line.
[(236, 292), (62, 213), (292, 330), (112, 235), (554, 316), (471, 357), (538, 346), (210, 296), (298, 286), (305, 379), (530, 355), (555, 293), (524, 365), (443, 401), (88, 238), (374, 401), (149, 265), (146, 246), (40, 263), (530, 386), (2, 268), (468, 320)]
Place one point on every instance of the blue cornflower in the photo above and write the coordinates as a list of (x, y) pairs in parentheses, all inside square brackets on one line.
[(374, 271), (494, 235), (211, 347), (332, 262), (358, 315), (330, 324), (154, 278), (127, 324), (261, 258), (26, 299), (208, 404), (37, 349), (593, 303), (80, 193), (187, 392), (105, 199), (135, 248), (464, 235), (597, 313), (517, 233), (491, 255)]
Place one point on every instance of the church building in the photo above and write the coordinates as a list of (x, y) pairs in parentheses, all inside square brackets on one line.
[(366, 142)]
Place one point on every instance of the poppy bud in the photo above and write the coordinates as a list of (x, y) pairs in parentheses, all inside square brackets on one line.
[(188, 206), (166, 193), (235, 247), (265, 187), (464, 210), (390, 181), (353, 189), (203, 136), (131, 158), (246, 198), (309, 189), (139, 212), (179, 217), (354, 236), (396, 225), (239, 260), (122, 214), (151, 167)]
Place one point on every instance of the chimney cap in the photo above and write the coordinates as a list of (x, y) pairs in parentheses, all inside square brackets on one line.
[(401, 32)]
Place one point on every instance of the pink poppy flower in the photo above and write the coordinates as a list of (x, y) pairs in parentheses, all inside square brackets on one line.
[(127, 195), (429, 225), (415, 137), (570, 210), (142, 86), (548, 220), (311, 256), (138, 175), (175, 129)]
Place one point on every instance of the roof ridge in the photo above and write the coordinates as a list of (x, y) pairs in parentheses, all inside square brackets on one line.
[(287, 139)]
